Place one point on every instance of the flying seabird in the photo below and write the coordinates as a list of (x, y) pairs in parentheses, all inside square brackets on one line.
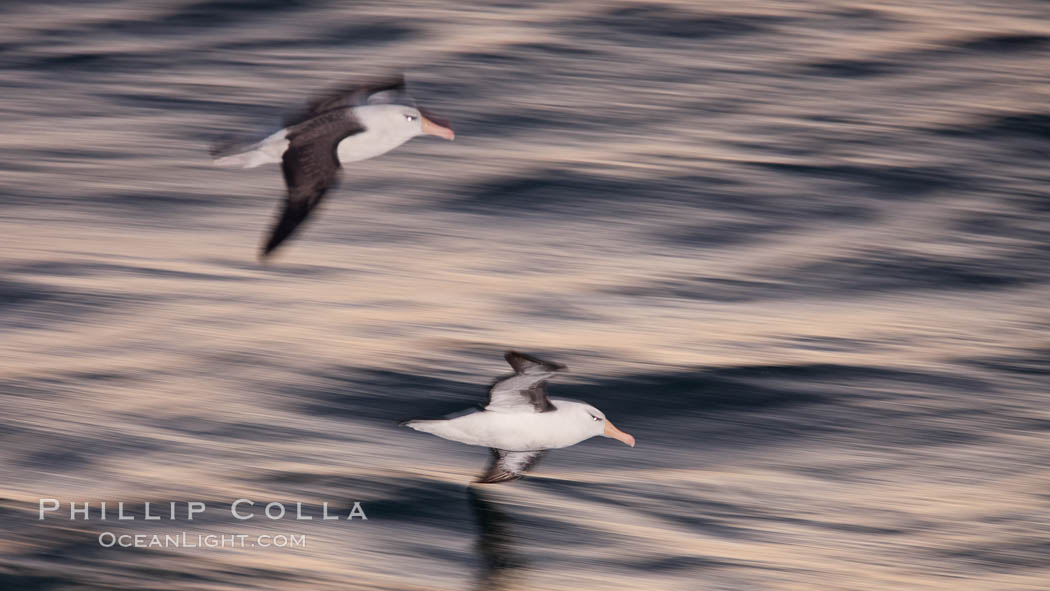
[(353, 123), (520, 422)]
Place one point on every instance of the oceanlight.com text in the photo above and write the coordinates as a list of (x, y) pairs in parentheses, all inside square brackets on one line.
[(204, 541)]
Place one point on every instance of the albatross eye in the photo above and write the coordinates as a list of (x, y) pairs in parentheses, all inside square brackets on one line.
[(410, 117), (595, 418)]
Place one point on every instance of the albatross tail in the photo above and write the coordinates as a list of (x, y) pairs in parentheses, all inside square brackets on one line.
[(241, 155), (424, 425)]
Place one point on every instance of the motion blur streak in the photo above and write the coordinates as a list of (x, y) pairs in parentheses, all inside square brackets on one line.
[(798, 249)]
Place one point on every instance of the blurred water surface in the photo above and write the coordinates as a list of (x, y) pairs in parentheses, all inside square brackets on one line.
[(799, 250)]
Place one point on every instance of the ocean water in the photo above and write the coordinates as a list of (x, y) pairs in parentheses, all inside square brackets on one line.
[(800, 250)]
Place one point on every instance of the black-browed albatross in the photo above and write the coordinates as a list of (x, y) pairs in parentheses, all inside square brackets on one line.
[(521, 423), (353, 123)]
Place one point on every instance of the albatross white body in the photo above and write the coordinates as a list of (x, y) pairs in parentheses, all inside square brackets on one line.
[(570, 423), (520, 422), (386, 128)]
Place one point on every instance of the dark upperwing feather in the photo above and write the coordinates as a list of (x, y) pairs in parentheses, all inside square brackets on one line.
[(509, 465), (536, 394), (389, 90), (310, 167), (526, 389), (523, 363)]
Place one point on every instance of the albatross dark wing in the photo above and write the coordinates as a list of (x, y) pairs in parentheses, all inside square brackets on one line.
[(509, 465), (310, 167), (526, 390), (523, 363), (380, 91)]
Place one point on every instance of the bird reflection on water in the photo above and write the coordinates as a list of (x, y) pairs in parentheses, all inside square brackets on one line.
[(501, 564)]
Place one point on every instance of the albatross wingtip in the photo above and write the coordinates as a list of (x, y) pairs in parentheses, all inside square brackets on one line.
[(522, 362), (497, 478), (265, 255)]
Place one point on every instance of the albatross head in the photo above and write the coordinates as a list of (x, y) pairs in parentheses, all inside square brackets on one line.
[(597, 424), (400, 123), (418, 123)]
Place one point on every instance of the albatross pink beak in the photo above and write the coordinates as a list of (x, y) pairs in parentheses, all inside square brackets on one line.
[(431, 128), (612, 431)]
